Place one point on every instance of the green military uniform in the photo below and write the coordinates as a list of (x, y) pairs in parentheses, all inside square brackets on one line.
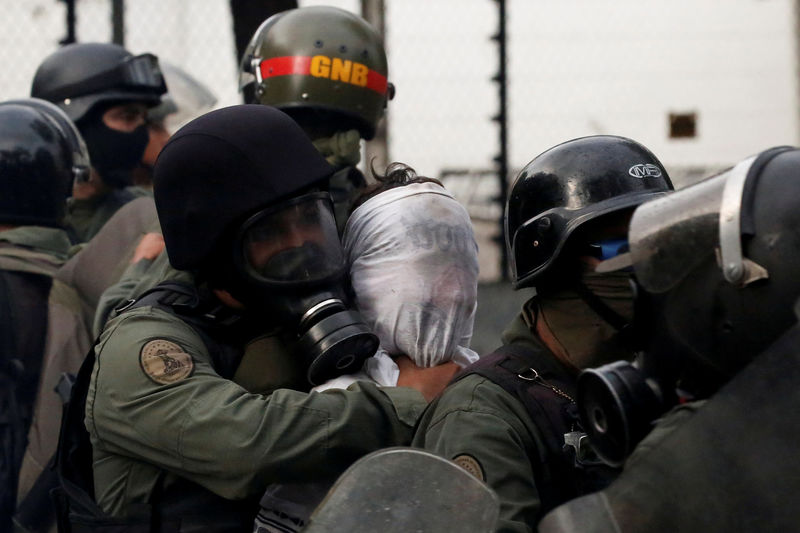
[(488, 431), (157, 403), (39, 251), (67, 343), (76, 292), (86, 217), (34, 249)]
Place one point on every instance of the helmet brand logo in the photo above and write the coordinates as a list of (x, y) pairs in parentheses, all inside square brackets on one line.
[(645, 170), (337, 69), (332, 68)]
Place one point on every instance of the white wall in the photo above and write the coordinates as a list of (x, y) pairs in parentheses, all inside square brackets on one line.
[(621, 66)]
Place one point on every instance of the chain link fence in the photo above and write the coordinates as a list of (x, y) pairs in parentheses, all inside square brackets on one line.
[(702, 83)]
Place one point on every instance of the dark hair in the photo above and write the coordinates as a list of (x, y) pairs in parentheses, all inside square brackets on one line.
[(397, 175)]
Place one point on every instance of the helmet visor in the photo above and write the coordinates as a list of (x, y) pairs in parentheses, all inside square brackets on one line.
[(669, 237), (295, 242), (139, 74), (141, 71)]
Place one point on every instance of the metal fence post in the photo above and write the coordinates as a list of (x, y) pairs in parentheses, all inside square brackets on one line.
[(377, 149), (502, 121)]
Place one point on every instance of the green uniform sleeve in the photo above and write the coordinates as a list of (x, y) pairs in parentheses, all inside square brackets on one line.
[(181, 416), (486, 431), (116, 294)]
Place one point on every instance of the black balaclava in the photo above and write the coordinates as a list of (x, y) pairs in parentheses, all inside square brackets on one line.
[(114, 154)]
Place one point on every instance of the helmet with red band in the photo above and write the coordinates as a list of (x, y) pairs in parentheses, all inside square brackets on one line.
[(319, 62)]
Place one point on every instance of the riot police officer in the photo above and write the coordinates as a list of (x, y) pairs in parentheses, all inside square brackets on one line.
[(510, 419), (41, 156), (106, 91), (257, 267), (326, 68), (717, 265)]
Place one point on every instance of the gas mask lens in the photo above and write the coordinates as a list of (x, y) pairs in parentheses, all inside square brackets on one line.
[(296, 242)]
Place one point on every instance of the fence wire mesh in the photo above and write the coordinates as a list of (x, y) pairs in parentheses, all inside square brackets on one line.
[(700, 82)]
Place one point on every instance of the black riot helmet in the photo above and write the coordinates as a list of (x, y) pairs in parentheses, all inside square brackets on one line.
[(569, 185), (319, 63), (717, 263), (238, 194), (41, 155), (79, 77), (81, 165)]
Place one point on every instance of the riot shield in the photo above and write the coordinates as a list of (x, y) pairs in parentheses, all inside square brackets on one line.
[(732, 465), (402, 489)]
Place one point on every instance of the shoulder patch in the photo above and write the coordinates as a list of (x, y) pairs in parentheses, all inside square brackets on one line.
[(165, 362), (470, 464)]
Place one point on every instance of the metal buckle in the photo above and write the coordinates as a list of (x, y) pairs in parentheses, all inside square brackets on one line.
[(525, 375), (125, 306), (255, 66)]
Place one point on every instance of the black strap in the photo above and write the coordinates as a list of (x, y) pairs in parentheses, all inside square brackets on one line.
[(23, 321), (36, 512), (8, 337), (184, 301), (184, 506), (512, 367), (602, 309)]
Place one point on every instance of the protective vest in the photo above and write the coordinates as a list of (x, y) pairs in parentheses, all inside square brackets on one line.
[(183, 506), (546, 391), (25, 280)]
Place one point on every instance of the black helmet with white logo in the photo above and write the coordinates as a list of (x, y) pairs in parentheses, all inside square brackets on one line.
[(569, 185)]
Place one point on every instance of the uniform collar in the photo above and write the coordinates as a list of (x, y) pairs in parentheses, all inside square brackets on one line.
[(52, 241)]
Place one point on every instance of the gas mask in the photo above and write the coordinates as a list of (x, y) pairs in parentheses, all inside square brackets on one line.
[(695, 307), (290, 269)]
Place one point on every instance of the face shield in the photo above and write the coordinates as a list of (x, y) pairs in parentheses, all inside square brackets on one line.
[(671, 236), (670, 239), (188, 98), (293, 245), (293, 269)]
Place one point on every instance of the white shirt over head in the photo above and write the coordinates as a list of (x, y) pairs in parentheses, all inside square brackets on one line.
[(413, 265)]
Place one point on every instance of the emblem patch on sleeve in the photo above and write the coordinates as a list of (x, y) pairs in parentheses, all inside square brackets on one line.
[(165, 362), (470, 464)]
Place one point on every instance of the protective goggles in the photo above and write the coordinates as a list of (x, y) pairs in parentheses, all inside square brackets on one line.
[(608, 248), (138, 73), (295, 242)]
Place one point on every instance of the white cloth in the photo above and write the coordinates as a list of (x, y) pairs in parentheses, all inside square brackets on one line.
[(414, 269)]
